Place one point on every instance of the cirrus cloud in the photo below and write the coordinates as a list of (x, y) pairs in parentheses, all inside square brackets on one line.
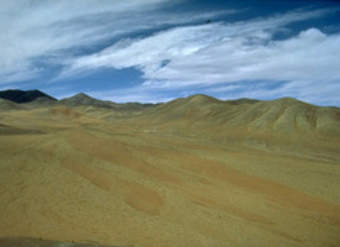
[(219, 53), (37, 34)]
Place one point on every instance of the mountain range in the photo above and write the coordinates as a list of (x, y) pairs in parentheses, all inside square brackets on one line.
[(285, 115), (195, 171)]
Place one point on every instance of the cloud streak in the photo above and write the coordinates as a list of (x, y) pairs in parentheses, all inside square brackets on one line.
[(219, 53), (81, 37), (55, 32)]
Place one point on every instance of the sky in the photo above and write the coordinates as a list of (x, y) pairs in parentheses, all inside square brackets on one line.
[(158, 50)]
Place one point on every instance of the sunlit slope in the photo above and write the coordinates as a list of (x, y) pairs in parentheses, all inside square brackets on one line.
[(286, 124), (165, 177), (286, 115), (6, 105), (85, 102)]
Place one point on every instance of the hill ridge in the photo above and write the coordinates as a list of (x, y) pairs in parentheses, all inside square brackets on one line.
[(26, 96), (21, 96)]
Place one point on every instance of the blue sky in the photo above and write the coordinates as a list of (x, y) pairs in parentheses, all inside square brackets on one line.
[(158, 50)]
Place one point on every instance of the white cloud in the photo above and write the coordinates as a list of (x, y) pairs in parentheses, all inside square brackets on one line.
[(55, 31), (219, 53)]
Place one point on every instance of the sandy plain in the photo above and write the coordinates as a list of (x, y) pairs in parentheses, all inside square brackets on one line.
[(192, 172)]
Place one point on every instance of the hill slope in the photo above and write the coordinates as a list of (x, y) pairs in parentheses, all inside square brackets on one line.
[(20, 96), (82, 99), (286, 115), (192, 172), (6, 105)]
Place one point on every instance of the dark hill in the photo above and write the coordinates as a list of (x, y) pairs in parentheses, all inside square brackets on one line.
[(20, 96)]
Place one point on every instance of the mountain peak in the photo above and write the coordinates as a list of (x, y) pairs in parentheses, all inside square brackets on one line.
[(81, 95), (82, 99), (79, 99), (201, 98)]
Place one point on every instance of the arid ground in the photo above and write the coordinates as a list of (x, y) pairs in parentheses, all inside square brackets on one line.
[(192, 172)]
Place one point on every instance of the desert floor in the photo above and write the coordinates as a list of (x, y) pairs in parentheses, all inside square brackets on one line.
[(70, 176)]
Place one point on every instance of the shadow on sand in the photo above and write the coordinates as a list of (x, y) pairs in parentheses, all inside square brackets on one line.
[(31, 242)]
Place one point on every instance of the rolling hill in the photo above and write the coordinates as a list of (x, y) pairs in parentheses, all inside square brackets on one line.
[(195, 171), (6, 105), (285, 115), (83, 99)]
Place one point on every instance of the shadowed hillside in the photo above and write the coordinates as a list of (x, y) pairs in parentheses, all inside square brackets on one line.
[(30, 242), (20, 96), (195, 171)]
